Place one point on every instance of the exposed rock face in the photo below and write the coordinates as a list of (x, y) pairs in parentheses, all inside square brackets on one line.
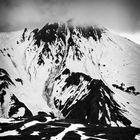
[(80, 97), (10, 105), (39, 127), (65, 70)]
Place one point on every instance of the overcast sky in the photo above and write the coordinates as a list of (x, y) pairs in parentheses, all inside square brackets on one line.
[(122, 16)]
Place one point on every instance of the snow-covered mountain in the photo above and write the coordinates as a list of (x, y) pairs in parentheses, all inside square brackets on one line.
[(70, 71)]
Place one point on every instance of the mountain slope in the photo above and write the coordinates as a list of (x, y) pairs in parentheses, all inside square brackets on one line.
[(63, 67)]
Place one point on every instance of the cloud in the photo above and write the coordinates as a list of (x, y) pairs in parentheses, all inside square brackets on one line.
[(118, 15)]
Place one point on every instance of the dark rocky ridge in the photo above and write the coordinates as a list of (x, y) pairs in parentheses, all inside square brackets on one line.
[(130, 90), (6, 82), (56, 32), (96, 106)]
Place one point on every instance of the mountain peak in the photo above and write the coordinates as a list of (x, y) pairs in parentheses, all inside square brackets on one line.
[(62, 66)]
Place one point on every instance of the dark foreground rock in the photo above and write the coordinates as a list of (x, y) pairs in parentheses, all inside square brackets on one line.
[(43, 127)]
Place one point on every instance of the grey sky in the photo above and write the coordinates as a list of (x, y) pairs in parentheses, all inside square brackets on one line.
[(118, 15)]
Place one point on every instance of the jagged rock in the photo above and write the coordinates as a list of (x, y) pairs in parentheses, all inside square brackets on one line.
[(10, 105)]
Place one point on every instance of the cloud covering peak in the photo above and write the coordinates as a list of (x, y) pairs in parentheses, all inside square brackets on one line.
[(118, 15)]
